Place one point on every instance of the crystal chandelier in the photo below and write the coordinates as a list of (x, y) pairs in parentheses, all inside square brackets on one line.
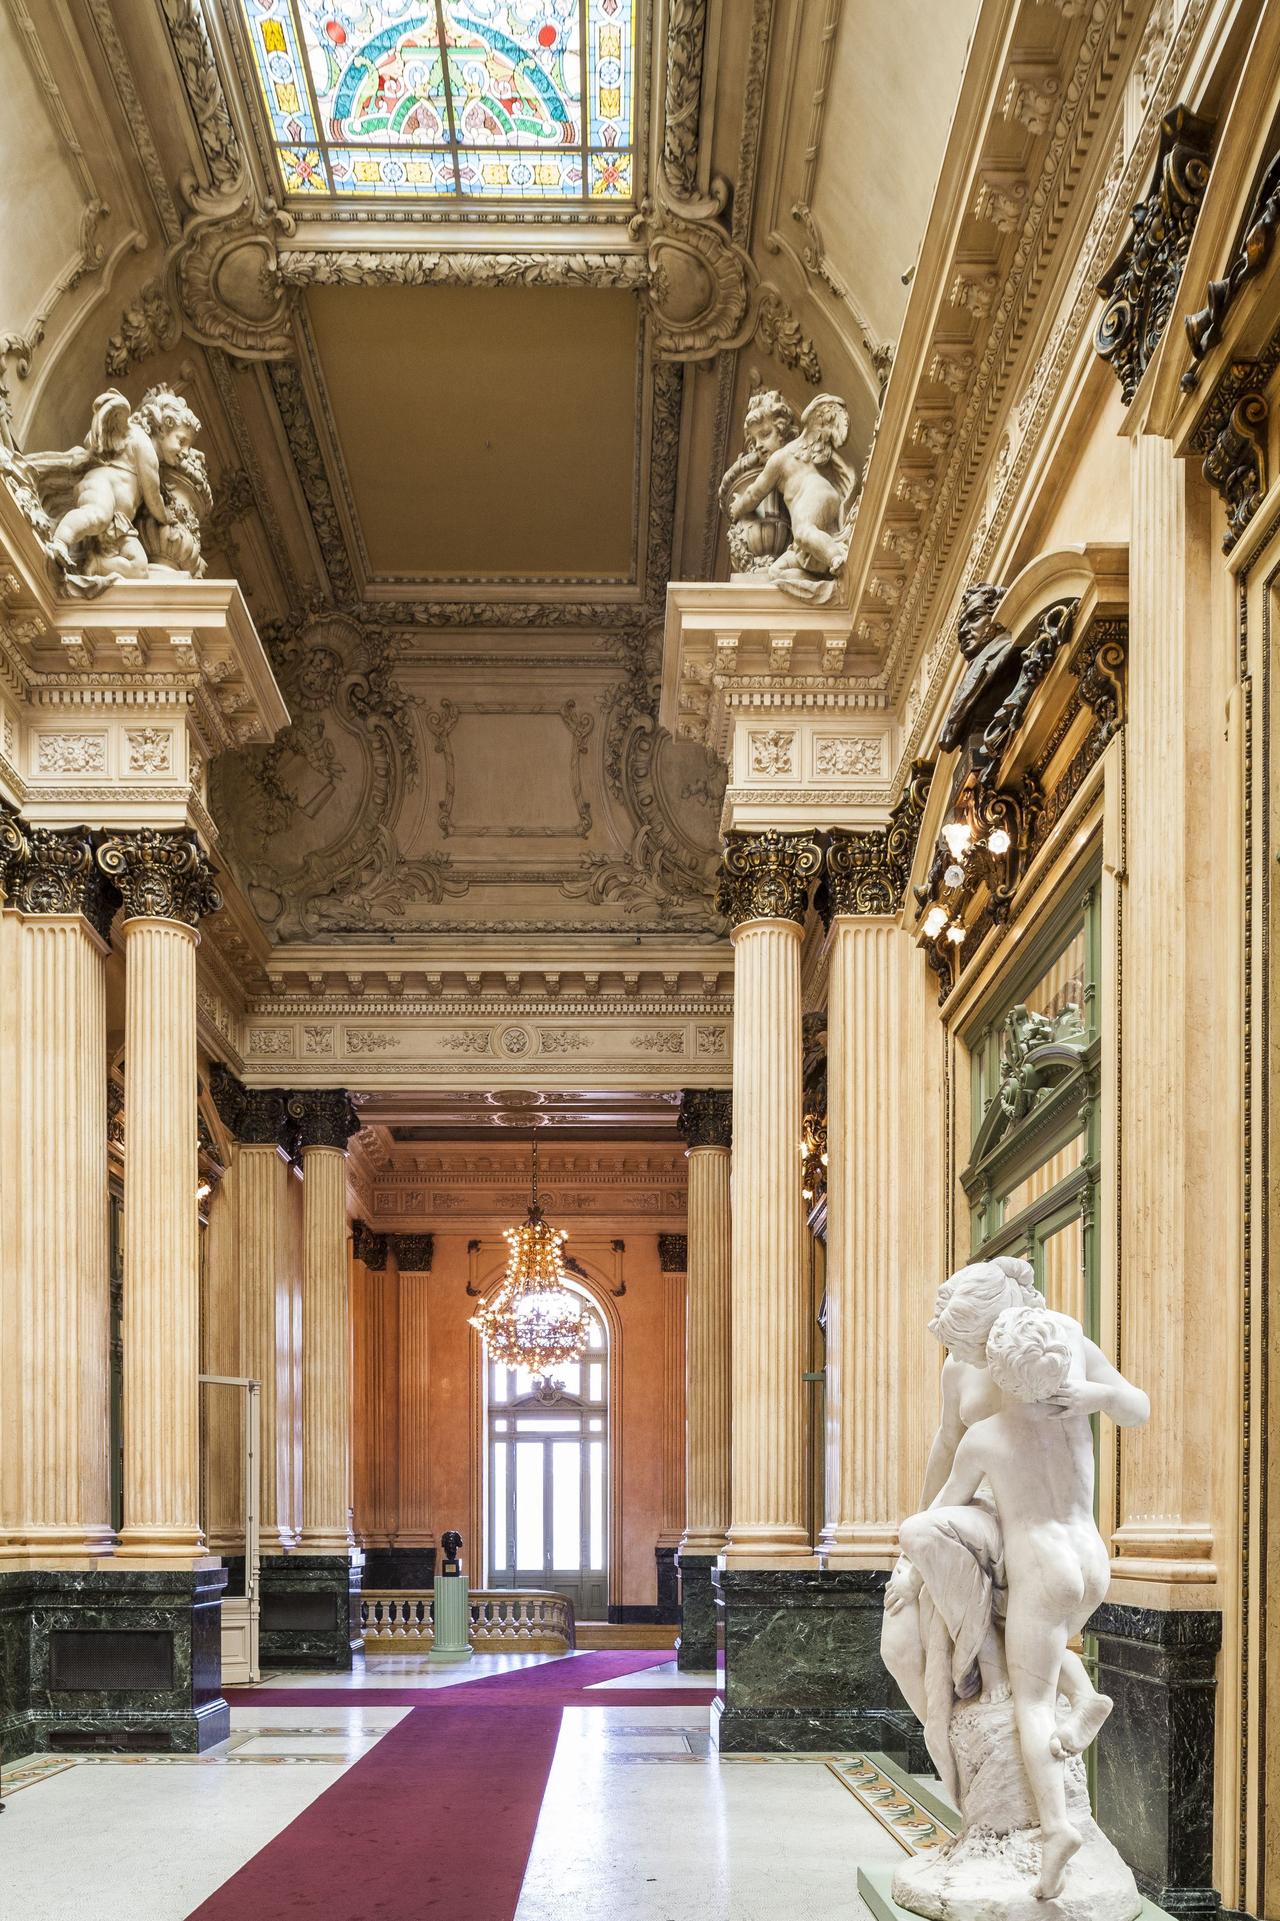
[(535, 1320)]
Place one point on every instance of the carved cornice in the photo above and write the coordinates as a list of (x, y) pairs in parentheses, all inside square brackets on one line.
[(413, 1252), (1142, 284), (324, 1117), (339, 267), (53, 870), (162, 874), (673, 1253), (706, 1116), (867, 870), (766, 876), (1204, 329), (369, 1247)]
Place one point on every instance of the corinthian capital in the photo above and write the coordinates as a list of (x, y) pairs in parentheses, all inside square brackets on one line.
[(867, 869), (51, 870), (766, 876), (706, 1116), (325, 1117), (161, 873)]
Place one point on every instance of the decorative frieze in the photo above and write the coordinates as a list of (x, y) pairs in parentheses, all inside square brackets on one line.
[(162, 874), (867, 870), (706, 1116), (766, 876), (1142, 284)]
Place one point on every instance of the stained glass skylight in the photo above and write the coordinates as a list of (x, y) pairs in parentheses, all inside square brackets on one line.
[(449, 99)]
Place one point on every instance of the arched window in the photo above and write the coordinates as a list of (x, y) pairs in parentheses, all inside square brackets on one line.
[(548, 1476)]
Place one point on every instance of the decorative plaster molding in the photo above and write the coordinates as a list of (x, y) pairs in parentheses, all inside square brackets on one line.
[(345, 267)]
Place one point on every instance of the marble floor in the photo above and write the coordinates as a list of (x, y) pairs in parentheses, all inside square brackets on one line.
[(640, 1821)]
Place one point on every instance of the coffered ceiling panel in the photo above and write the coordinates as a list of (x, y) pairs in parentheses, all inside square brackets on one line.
[(484, 437)]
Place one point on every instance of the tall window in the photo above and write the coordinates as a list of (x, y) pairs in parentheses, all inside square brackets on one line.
[(449, 99), (1032, 1177), (548, 1477)]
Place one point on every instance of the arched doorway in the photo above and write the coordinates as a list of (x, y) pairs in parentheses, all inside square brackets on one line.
[(547, 1479)]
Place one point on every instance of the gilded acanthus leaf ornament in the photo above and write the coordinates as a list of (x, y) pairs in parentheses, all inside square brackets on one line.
[(52, 870), (324, 1117), (414, 1252), (706, 1117), (673, 1253), (766, 876), (370, 1248), (867, 869), (162, 874), (254, 1116), (1142, 285)]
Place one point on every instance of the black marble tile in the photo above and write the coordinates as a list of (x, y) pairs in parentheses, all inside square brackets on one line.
[(111, 1658), (1155, 1762), (668, 1610), (310, 1611), (400, 1567), (696, 1648), (803, 1668)]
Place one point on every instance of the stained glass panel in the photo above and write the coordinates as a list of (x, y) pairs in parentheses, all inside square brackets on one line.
[(491, 99)]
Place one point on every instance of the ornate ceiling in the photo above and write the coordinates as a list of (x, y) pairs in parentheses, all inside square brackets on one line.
[(460, 446)]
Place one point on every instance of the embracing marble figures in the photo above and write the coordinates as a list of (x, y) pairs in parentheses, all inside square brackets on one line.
[(128, 502), (999, 1571), (789, 497)]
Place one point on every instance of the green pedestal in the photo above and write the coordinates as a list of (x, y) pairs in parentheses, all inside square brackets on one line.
[(452, 1637)]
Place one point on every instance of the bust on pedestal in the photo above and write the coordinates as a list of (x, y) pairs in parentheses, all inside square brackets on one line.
[(451, 1640)]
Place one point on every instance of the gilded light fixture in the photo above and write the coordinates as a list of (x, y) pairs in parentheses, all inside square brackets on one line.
[(535, 1320)]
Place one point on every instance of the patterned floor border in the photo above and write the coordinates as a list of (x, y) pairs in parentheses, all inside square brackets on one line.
[(916, 1817)]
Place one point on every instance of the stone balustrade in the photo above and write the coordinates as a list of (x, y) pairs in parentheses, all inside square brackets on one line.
[(528, 1620)]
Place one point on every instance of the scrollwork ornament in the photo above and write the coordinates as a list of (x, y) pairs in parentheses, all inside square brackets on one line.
[(162, 874), (866, 869), (324, 1117), (51, 870), (766, 876), (706, 1117)]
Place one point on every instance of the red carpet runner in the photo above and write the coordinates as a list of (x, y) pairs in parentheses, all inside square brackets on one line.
[(439, 1817)]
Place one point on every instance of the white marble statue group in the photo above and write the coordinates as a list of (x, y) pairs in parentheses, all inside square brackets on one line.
[(998, 1573)]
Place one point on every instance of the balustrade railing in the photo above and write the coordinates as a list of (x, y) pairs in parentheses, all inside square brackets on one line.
[(503, 1620)]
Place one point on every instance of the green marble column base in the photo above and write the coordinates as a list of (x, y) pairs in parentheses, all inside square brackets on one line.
[(803, 1671), (451, 1619), (696, 1649), (111, 1658), (310, 1611)]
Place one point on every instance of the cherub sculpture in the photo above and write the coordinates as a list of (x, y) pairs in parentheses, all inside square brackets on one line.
[(127, 501), (815, 488), (760, 535)]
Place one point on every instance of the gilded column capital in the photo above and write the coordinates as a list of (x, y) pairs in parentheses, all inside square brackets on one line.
[(673, 1253), (413, 1252), (369, 1247), (52, 870), (706, 1116), (253, 1116), (324, 1117), (766, 876), (867, 868), (162, 874)]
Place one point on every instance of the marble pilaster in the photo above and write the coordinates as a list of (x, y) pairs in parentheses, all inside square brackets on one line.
[(413, 1530), (167, 885), (706, 1121), (764, 891), (54, 1296)]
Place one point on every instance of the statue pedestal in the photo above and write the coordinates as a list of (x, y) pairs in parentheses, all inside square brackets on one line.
[(452, 1638)]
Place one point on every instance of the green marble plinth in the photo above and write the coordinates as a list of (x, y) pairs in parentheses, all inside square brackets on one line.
[(696, 1649), (451, 1619), (803, 1671), (111, 1658), (310, 1610)]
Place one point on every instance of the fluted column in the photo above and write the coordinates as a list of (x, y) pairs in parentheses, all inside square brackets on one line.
[(54, 1299), (764, 892), (327, 1122), (413, 1254), (706, 1124), (167, 885)]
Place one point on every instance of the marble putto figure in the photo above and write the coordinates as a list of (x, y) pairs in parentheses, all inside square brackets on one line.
[(789, 496), (128, 502), (1000, 1570)]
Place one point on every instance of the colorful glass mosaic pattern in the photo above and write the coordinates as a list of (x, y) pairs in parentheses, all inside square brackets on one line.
[(449, 99)]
